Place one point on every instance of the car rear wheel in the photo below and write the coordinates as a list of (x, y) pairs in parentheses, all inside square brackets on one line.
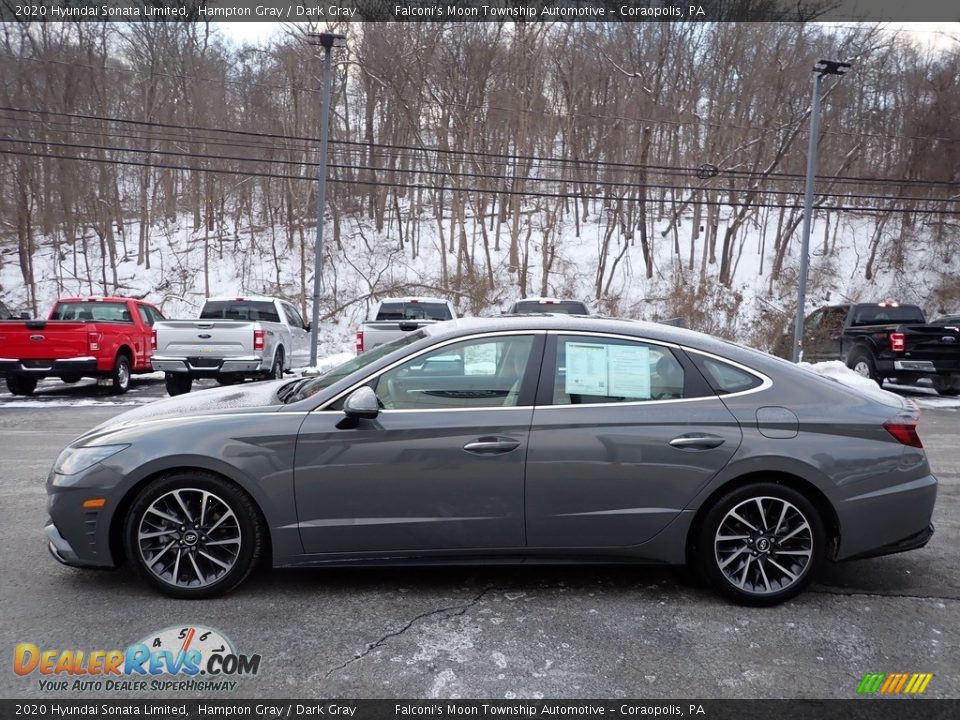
[(862, 364), (21, 384), (120, 377), (193, 535), (761, 544), (946, 386), (177, 383)]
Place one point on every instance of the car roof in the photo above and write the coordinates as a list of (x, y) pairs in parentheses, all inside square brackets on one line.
[(577, 323), (100, 298), (242, 298), (414, 298)]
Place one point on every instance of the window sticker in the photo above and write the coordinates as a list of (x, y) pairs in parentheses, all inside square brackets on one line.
[(628, 367), (586, 369)]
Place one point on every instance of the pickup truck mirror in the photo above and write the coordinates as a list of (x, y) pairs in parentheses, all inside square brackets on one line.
[(24, 316), (362, 404), (308, 327)]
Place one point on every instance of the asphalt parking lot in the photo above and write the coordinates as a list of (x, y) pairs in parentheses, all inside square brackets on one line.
[(486, 632)]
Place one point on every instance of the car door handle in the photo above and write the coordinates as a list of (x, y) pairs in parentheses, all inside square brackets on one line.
[(697, 442), (491, 446)]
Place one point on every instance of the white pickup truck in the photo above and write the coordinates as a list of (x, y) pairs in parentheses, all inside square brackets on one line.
[(235, 338), (395, 317)]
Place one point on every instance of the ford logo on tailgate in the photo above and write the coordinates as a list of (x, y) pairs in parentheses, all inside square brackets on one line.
[(37, 338), (948, 339), (204, 336)]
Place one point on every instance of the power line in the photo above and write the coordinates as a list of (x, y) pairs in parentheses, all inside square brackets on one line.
[(477, 153), (442, 188), (473, 176)]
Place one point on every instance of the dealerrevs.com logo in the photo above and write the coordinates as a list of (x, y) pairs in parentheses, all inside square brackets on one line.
[(190, 658)]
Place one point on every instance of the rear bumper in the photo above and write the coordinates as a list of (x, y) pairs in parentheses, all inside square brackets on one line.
[(887, 520), (45, 367), (912, 542), (209, 367), (928, 367)]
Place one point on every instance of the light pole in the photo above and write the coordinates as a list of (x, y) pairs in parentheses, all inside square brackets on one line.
[(823, 67), (327, 41)]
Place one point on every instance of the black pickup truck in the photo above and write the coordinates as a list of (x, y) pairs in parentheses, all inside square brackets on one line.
[(885, 340)]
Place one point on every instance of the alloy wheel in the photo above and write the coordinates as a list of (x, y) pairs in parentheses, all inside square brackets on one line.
[(189, 538), (764, 545)]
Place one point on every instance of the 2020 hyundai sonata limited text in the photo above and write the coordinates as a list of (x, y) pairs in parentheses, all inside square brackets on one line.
[(544, 439)]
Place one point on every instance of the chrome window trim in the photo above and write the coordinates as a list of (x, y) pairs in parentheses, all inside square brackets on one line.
[(766, 382), (462, 338)]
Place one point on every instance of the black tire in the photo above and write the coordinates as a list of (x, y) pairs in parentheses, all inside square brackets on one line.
[(276, 372), (249, 529), (713, 555), (120, 377), (861, 362), (177, 383), (21, 384), (946, 386), (228, 380)]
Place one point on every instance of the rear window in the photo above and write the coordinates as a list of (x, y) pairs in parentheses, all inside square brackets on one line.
[(251, 310), (879, 315), (414, 311), (565, 307), (725, 379), (92, 310)]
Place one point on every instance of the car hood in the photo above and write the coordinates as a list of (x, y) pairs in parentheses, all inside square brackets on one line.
[(216, 401)]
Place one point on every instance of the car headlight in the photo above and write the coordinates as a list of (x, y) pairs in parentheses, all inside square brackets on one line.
[(74, 460)]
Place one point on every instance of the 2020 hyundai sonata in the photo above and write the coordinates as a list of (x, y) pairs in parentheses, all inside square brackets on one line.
[(546, 439)]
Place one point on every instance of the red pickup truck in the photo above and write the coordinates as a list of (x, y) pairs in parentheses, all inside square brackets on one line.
[(101, 337)]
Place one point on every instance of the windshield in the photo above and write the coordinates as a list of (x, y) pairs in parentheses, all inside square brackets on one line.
[(302, 389), (882, 315), (566, 307), (414, 311)]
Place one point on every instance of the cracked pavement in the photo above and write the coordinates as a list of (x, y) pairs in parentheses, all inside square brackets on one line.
[(497, 632)]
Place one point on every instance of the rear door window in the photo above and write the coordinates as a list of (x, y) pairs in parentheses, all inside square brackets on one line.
[(725, 378)]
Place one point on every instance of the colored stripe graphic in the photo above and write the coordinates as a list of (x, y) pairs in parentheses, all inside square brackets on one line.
[(894, 683)]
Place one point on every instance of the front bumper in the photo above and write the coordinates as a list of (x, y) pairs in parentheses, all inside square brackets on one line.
[(44, 367), (209, 367), (62, 551)]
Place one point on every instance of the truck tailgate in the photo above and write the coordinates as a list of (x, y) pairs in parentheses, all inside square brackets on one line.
[(378, 332), (931, 342), (44, 339), (199, 338)]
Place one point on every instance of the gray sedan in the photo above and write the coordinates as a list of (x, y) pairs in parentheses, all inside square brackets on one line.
[(548, 439)]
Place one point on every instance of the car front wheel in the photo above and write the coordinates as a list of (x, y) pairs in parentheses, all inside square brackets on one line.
[(193, 535), (761, 544)]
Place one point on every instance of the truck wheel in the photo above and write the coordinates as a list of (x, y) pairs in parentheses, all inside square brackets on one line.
[(21, 384), (177, 383), (276, 372), (862, 364), (120, 377), (946, 386)]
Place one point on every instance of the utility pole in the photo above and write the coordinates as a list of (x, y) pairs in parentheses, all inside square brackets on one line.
[(327, 41), (824, 67)]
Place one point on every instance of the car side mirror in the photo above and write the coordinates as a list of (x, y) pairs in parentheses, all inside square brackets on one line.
[(24, 316), (362, 404)]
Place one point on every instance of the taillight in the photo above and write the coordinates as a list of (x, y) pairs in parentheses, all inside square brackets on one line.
[(93, 341), (904, 432), (258, 339), (359, 341), (898, 342), (153, 340)]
